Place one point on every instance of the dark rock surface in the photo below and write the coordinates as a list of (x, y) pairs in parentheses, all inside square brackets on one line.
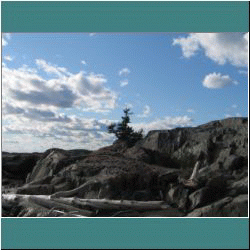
[(154, 169), (226, 207), (18, 165)]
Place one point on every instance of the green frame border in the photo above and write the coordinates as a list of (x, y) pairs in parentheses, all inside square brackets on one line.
[(135, 16), (111, 233), (125, 233)]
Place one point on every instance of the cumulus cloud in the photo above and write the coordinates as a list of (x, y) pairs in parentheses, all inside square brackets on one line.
[(217, 80), (9, 109), (8, 58), (123, 83), (219, 47), (33, 114), (25, 87), (63, 98), (124, 72), (34, 108), (84, 62), (146, 112)]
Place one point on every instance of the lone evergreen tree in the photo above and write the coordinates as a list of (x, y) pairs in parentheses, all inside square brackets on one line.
[(123, 132)]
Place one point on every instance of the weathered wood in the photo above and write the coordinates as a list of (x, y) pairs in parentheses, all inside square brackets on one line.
[(58, 205), (192, 182), (46, 202), (88, 207), (115, 204)]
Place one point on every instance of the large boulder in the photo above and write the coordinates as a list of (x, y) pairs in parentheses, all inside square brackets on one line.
[(226, 207), (211, 210), (53, 160), (177, 196), (238, 187), (238, 207), (200, 198)]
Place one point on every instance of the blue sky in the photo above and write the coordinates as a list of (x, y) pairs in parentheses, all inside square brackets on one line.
[(63, 89)]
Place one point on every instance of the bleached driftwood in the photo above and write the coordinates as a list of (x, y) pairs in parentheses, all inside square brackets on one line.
[(87, 207), (193, 180), (114, 204), (46, 202), (58, 205)]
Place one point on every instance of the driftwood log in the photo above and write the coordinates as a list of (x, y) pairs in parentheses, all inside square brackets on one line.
[(88, 207), (114, 204), (44, 201)]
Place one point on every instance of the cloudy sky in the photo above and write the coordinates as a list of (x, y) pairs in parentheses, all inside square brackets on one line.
[(62, 90)]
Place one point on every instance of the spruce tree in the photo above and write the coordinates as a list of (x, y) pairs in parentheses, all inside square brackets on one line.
[(124, 132)]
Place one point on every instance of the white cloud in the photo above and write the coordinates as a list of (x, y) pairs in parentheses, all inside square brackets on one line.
[(124, 72), (77, 133), (228, 115), (45, 131), (243, 72), (234, 106), (165, 123), (8, 58), (217, 80), (146, 112), (123, 83), (84, 62), (4, 42), (92, 34), (219, 47), (51, 69), (24, 87), (34, 109), (5, 37)]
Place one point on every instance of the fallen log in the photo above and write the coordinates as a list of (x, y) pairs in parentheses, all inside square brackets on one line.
[(89, 207), (69, 203), (51, 204), (46, 202), (105, 204)]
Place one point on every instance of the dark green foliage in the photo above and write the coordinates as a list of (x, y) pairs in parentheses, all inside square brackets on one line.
[(125, 133)]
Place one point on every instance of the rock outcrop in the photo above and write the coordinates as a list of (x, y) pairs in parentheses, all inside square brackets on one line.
[(221, 143), (16, 167), (155, 169)]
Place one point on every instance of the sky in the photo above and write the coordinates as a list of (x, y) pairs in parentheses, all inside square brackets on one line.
[(63, 89)]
